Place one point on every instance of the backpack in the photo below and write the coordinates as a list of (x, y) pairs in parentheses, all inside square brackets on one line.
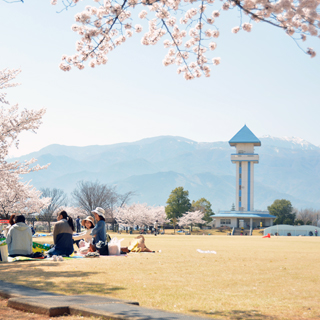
[(102, 247)]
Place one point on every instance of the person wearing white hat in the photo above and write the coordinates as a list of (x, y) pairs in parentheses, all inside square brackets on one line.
[(99, 231), (88, 223)]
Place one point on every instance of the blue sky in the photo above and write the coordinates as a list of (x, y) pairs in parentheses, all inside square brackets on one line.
[(264, 80)]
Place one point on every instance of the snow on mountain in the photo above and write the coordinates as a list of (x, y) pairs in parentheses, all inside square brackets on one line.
[(289, 168), (288, 142)]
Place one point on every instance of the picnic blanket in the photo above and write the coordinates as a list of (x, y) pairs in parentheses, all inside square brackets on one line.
[(21, 258), (39, 235), (38, 247)]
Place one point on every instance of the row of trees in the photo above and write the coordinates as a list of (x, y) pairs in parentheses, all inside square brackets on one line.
[(86, 197), (286, 214), (89, 195)]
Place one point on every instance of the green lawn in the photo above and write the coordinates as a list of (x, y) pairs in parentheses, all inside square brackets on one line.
[(249, 277)]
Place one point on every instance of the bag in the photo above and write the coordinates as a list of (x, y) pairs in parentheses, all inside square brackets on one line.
[(84, 247), (102, 247), (3, 250), (36, 255), (114, 247)]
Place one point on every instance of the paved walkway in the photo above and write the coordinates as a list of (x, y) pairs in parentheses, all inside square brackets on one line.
[(51, 304)]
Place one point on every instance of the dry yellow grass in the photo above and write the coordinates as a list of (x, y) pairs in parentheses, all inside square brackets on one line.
[(249, 277)]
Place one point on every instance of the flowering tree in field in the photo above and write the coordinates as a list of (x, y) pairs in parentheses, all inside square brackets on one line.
[(188, 29), (16, 196), (140, 215), (191, 218), (130, 216)]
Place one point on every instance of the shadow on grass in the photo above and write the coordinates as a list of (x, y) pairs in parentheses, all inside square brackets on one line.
[(36, 276), (236, 314)]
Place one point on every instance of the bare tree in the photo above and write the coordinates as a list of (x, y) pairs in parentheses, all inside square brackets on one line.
[(309, 216), (58, 199), (89, 195)]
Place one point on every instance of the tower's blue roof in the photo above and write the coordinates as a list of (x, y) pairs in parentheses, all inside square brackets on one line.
[(244, 135)]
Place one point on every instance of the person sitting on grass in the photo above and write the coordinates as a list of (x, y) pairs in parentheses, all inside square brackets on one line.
[(99, 231), (19, 238), (88, 223), (62, 236)]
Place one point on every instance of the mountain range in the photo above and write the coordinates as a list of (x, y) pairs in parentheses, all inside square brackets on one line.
[(289, 168)]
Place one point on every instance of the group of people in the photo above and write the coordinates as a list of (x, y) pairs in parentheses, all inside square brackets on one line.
[(63, 237), (19, 236)]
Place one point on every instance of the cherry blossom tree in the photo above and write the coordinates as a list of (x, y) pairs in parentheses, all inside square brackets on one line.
[(140, 215), (16, 196), (188, 29), (191, 218)]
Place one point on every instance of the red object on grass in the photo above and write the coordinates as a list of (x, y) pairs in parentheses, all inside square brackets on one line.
[(267, 236)]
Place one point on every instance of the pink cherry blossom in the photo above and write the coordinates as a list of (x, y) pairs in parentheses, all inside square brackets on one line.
[(182, 26), (15, 195), (191, 218)]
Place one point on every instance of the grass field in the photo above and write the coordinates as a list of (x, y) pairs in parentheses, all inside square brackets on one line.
[(248, 278)]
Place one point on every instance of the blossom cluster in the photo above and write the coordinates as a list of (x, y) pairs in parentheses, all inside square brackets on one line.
[(187, 28)]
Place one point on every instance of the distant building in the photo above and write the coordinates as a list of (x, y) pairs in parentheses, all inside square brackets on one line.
[(244, 215)]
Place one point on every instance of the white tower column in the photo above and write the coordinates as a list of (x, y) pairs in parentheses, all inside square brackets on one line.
[(245, 158)]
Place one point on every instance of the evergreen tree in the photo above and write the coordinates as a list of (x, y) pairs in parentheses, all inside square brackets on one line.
[(204, 206), (283, 210), (178, 203)]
